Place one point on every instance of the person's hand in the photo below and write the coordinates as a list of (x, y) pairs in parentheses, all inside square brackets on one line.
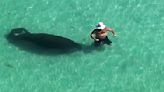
[(96, 39), (115, 35)]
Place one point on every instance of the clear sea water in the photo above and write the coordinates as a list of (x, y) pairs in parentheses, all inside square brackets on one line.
[(134, 62)]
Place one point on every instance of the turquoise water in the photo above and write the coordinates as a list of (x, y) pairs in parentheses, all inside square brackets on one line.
[(134, 62)]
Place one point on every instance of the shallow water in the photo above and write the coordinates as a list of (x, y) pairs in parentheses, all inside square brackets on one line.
[(134, 62)]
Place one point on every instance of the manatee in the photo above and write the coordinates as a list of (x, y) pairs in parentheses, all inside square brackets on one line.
[(44, 40)]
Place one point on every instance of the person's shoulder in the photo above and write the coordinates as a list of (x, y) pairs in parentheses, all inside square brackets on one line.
[(95, 30), (108, 28)]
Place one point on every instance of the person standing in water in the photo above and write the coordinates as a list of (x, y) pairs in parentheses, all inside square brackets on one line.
[(100, 34)]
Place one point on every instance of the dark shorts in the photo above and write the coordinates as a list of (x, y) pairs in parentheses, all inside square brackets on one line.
[(103, 41)]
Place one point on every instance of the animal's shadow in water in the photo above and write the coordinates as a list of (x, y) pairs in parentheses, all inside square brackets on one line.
[(42, 43)]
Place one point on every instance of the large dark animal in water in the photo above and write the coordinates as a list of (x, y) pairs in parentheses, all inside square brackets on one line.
[(43, 40)]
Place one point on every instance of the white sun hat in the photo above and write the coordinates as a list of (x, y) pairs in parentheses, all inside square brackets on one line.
[(100, 25)]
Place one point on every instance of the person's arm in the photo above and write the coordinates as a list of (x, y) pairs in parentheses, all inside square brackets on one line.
[(113, 32), (93, 36)]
